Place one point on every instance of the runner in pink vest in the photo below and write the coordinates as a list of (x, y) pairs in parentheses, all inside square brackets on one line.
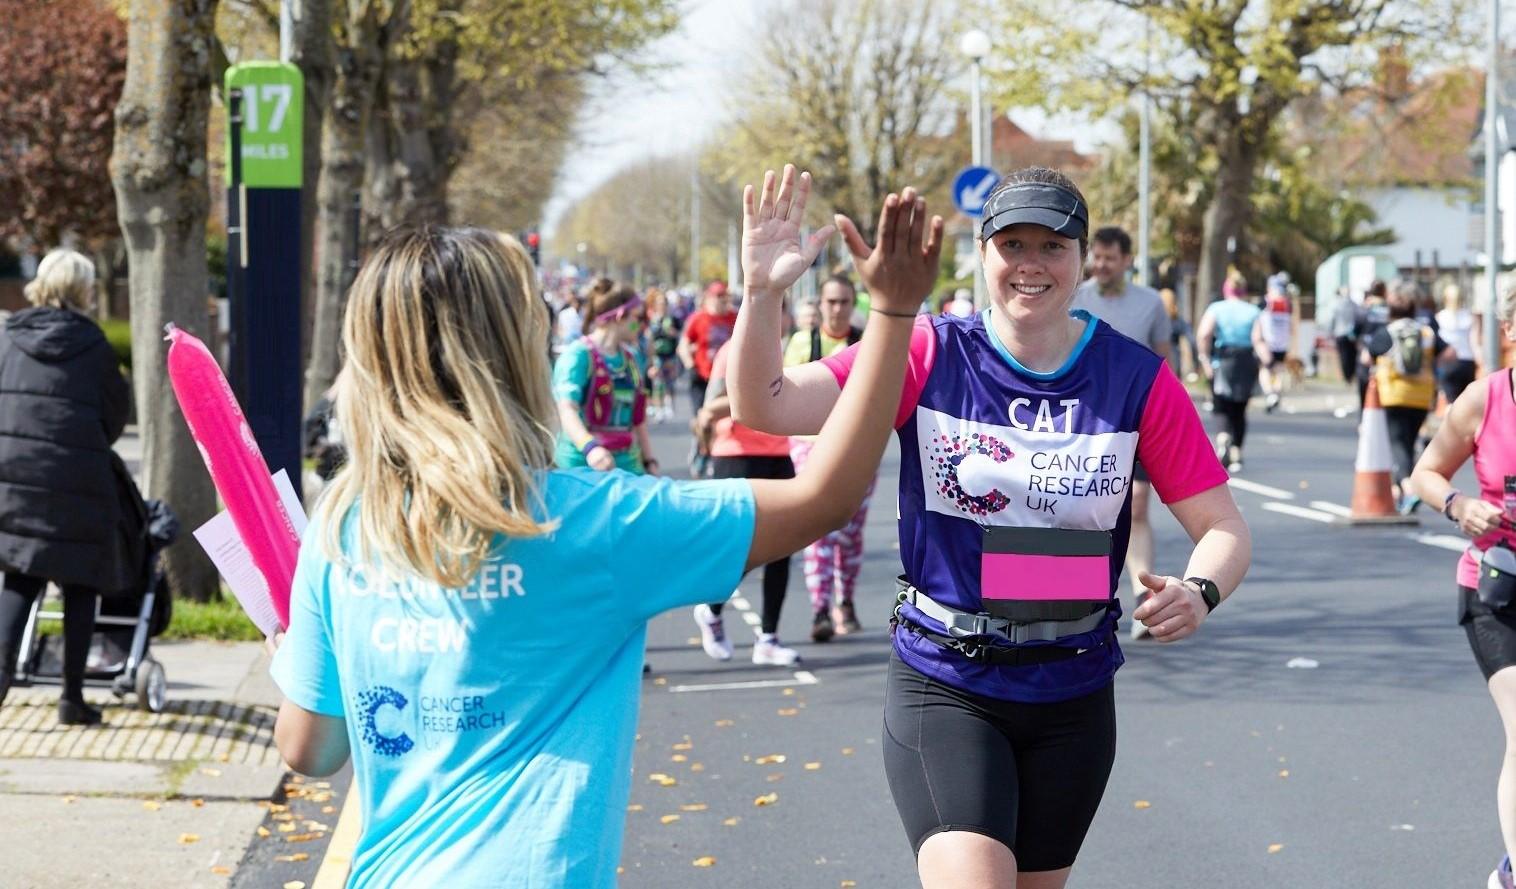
[(1482, 424)]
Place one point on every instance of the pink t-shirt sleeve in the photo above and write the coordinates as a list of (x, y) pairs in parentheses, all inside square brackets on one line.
[(1172, 444), (918, 367)]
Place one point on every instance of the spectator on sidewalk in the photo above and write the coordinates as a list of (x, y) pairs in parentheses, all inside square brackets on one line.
[(63, 402)]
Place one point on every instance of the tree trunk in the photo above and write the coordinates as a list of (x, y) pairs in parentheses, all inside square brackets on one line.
[(158, 168), (356, 72), (312, 53), (1225, 217)]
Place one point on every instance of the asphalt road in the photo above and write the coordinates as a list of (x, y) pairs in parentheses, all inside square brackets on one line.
[(1369, 761)]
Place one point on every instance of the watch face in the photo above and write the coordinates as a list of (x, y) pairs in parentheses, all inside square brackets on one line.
[(1208, 591)]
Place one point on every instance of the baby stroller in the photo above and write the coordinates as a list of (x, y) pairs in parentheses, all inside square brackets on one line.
[(125, 622)]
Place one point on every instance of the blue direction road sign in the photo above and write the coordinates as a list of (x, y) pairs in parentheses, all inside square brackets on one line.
[(972, 188)]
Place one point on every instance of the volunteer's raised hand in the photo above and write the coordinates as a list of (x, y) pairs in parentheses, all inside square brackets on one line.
[(1173, 611), (773, 255), (901, 268)]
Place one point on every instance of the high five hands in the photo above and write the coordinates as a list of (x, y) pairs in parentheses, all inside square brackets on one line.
[(897, 272), (901, 267)]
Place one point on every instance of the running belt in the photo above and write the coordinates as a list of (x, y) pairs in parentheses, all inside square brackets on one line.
[(964, 624)]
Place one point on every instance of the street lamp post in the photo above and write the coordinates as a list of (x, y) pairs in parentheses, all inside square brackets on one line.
[(1492, 247), (1144, 171), (976, 45)]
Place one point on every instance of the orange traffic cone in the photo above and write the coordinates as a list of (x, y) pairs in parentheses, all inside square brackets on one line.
[(1373, 496)]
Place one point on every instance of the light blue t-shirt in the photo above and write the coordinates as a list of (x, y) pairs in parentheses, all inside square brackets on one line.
[(491, 727), (1234, 322)]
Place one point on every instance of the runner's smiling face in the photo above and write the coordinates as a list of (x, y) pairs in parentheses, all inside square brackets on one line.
[(1032, 272)]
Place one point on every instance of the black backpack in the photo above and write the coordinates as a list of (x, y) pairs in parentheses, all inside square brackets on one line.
[(854, 334)]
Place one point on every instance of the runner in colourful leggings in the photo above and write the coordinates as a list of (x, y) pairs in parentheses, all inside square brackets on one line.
[(831, 563), (1018, 431)]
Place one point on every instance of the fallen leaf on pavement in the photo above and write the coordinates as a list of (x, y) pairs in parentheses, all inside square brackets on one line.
[(296, 856), (287, 827), (187, 838), (634, 807), (812, 766), (697, 767), (1284, 773), (152, 805), (328, 810), (724, 723), (197, 803), (848, 884), (772, 757), (788, 692), (264, 832), (731, 822), (295, 884), (211, 773), (694, 807), (684, 745), (669, 819), (847, 751), (1142, 804), (221, 870), (301, 837), (705, 861), (787, 711), (678, 757), (768, 799), (777, 776), (69, 799), (1275, 848)]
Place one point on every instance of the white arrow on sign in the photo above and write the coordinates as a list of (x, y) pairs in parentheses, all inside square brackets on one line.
[(975, 195)]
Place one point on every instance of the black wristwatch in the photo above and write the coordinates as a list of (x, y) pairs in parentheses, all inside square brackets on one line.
[(1208, 591)]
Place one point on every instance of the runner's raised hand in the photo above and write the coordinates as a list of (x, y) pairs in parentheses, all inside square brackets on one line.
[(773, 256)]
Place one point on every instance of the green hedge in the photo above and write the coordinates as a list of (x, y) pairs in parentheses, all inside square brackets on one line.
[(119, 334)]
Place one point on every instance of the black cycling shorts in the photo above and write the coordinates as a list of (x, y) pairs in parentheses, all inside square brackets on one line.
[(1492, 634), (1028, 775)]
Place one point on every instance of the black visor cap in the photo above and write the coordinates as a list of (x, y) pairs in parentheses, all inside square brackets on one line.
[(1038, 203)]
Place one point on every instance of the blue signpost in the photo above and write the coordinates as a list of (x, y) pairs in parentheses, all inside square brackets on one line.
[(264, 144), (972, 188)]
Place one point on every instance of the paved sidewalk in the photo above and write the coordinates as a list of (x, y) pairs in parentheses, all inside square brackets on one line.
[(165, 800)]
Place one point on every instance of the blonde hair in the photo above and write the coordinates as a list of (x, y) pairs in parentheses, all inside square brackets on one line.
[(1508, 305), (65, 280), (443, 402)]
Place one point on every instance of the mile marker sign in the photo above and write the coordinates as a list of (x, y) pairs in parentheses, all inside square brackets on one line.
[(972, 188)]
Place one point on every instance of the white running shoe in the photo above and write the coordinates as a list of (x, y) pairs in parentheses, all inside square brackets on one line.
[(712, 633), (1139, 629), (767, 652)]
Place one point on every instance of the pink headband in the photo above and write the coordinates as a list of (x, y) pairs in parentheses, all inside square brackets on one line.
[(620, 311), (1230, 289)]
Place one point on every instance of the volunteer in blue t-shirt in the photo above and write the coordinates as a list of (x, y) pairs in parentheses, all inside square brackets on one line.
[(466, 621), (1018, 429)]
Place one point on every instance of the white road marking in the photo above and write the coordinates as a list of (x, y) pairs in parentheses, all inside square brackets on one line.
[(1333, 508), (1325, 518), (1243, 484), (752, 619), (1442, 541), (802, 677)]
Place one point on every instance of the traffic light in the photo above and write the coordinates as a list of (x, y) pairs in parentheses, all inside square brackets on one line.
[(533, 247)]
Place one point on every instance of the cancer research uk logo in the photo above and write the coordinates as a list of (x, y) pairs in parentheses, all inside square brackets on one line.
[(380, 707), (952, 457)]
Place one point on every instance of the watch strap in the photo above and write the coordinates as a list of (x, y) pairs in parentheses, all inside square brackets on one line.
[(1209, 592)]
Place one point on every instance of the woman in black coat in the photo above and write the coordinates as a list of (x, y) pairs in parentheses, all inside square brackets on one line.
[(63, 402)]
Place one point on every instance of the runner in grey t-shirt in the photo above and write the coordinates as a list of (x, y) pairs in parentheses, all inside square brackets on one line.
[(1134, 311), (1137, 312)]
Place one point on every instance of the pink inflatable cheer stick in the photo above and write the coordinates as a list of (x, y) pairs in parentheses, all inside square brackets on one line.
[(235, 463)]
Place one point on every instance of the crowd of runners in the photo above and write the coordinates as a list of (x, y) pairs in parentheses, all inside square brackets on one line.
[(1033, 434)]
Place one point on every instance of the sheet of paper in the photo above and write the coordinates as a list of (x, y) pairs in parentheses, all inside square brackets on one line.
[(221, 542), (291, 501)]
